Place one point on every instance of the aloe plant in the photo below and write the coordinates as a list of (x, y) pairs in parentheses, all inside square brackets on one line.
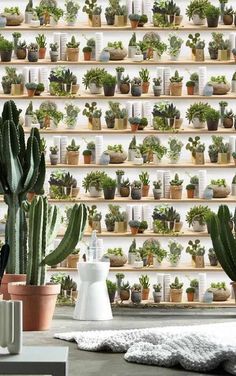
[(223, 240), (44, 223), (22, 169)]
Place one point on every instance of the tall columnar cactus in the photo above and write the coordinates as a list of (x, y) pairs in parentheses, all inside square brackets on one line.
[(44, 222), (223, 240), (22, 170)]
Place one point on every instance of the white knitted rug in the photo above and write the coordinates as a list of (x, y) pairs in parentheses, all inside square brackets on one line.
[(197, 348)]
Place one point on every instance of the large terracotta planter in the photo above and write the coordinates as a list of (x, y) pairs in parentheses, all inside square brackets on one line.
[(8, 278), (38, 304)]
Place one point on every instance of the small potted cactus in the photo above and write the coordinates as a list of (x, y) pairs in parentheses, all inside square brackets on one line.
[(134, 20), (124, 291), (136, 190), (134, 226), (72, 50), (54, 53), (136, 87), (111, 288), (87, 156), (176, 291), (157, 191), (87, 51), (73, 153), (54, 155), (33, 52), (31, 88), (190, 294), (190, 188), (136, 296), (134, 123), (176, 85), (145, 283), (125, 188), (176, 188), (157, 294)]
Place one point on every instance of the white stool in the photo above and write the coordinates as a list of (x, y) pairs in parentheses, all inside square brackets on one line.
[(93, 302)]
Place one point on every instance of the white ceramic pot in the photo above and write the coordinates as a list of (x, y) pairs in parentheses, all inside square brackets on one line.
[(197, 124), (131, 52), (94, 192), (138, 58), (131, 154), (197, 20), (197, 227), (138, 161), (94, 89)]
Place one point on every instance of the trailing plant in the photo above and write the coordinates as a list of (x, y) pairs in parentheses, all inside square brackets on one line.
[(198, 213)]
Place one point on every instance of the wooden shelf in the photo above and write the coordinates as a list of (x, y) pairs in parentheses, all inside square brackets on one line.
[(86, 96), (185, 26), (146, 165), (104, 130), (120, 62), (164, 268), (184, 304)]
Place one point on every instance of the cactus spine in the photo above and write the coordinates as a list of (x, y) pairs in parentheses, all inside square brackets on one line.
[(44, 223), (22, 169), (223, 241)]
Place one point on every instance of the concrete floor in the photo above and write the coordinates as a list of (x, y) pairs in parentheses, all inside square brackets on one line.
[(82, 363)]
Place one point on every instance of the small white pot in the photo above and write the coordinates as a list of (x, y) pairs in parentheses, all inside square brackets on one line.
[(94, 89), (94, 192), (138, 161), (197, 20), (131, 52), (138, 264), (174, 58), (156, 56), (34, 23), (138, 58), (131, 154), (198, 124), (197, 227)]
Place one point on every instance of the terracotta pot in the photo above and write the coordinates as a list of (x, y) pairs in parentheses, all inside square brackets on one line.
[(134, 230), (30, 92), (87, 56), (9, 278), (190, 296), (87, 159), (134, 127), (176, 192), (72, 261), (42, 53), (134, 24), (72, 54), (190, 90), (145, 87), (199, 262), (176, 295), (38, 304), (72, 157), (190, 193), (145, 294), (176, 89), (145, 190)]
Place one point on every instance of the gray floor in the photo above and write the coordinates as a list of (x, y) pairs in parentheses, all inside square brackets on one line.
[(84, 363)]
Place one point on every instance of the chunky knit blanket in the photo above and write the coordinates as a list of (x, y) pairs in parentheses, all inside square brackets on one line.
[(196, 348)]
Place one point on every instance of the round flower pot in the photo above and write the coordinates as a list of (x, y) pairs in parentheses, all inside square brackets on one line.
[(157, 91), (87, 159), (117, 158), (109, 91), (72, 261), (54, 55), (136, 90), (228, 122), (110, 226), (124, 294), (145, 87), (213, 260), (220, 295), (38, 304), (157, 193), (87, 56), (176, 192), (42, 53), (72, 157), (190, 193), (134, 230), (136, 296), (13, 19), (6, 56), (117, 261), (94, 192), (105, 159), (54, 159), (124, 191), (136, 194), (72, 54), (145, 294), (33, 56), (176, 89), (190, 296), (212, 125), (30, 92), (220, 192), (145, 190), (220, 89), (157, 297), (9, 278), (109, 193), (134, 24), (228, 19), (176, 295), (124, 88), (21, 53), (212, 21)]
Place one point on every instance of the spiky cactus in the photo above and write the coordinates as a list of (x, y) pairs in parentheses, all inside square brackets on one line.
[(223, 240), (22, 170), (44, 222)]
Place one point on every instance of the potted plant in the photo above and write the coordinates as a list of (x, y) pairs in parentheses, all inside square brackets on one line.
[(174, 151), (134, 122), (110, 15), (41, 41), (145, 77), (109, 188), (39, 89), (120, 16), (117, 154), (157, 253), (157, 191), (143, 226), (197, 217), (31, 88), (73, 259), (13, 16), (190, 87), (145, 283), (223, 153), (71, 13), (73, 153), (124, 85), (145, 180), (220, 188), (36, 294), (87, 51), (116, 256), (111, 288), (136, 295), (174, 48), (21, 50), (190, 294), (92, 183), (220, 292), (176, 188), (228, 16), (176, 291), (176, 84), (157, 88), (134, 20), (109, 85), (87, 156), (89, 6), (33, 53), (212, 118), (196, 114), (134, 226), (136, 190), (196, 11), (197, 251), (93, 79), (17, 86), (228, 119), (96, 222), (54, 155), (116, 50), (212, 257), (125, 188), (220, 85), (136, 87), (72, 50), (6, 49), (124, 291), (190, 188), (174, 253), (157, 294), (54, 53), (212, 15), (71, 115)]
